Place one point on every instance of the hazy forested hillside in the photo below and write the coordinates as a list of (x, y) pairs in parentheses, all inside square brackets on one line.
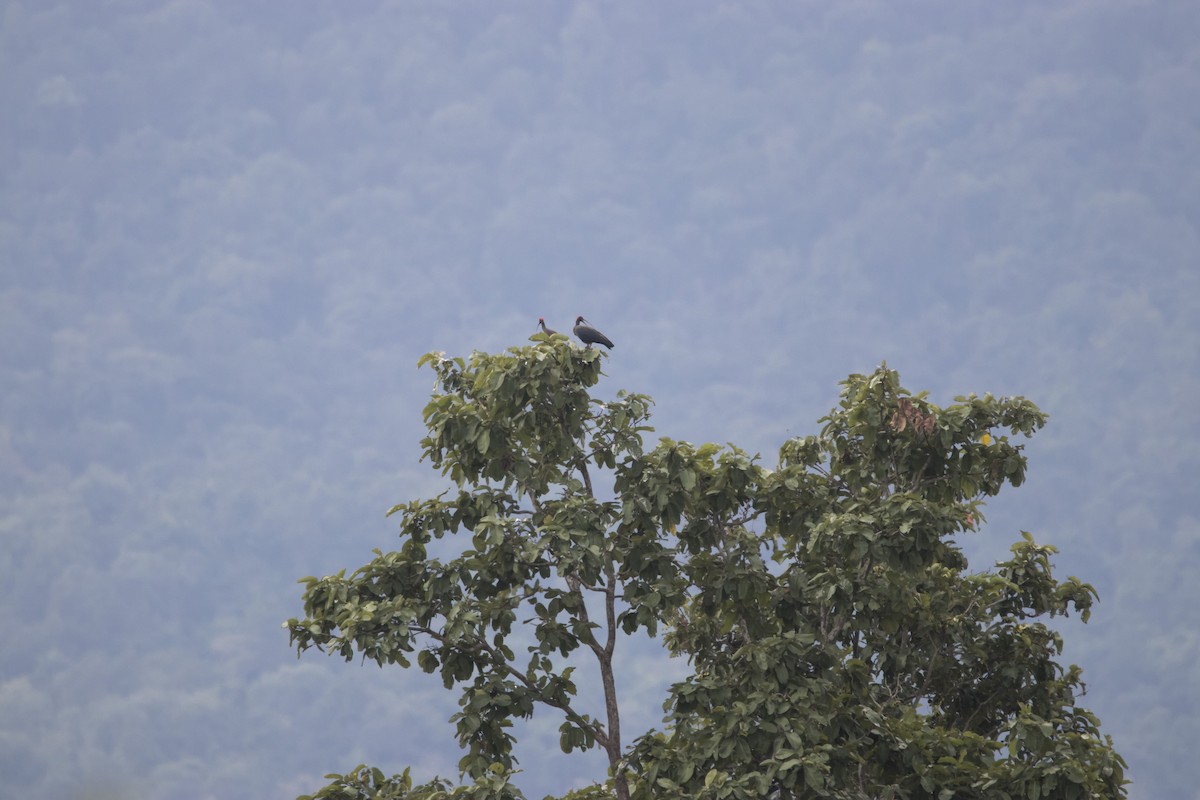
[(229, 229)]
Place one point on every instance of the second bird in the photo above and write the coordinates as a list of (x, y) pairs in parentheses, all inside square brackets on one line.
[(589, 335)]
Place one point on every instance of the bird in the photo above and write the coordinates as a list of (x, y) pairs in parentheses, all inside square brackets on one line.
[(589, 335), (545, 330)]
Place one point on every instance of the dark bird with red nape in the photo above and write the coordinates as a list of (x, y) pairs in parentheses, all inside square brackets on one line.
[(545, 330)]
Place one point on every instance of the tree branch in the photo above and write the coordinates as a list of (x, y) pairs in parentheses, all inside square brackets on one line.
[(590, 639), (498, 661), (610, 608), (587, 478)]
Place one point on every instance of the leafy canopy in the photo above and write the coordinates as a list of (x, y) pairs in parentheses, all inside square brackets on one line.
[(839, 646)]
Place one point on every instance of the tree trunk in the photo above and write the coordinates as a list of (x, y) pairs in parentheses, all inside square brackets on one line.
[(613, 728)]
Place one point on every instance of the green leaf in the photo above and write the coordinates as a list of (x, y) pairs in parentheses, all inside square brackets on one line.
[(687, 479)]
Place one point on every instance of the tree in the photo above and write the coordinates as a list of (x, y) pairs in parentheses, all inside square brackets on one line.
[(839, 646)]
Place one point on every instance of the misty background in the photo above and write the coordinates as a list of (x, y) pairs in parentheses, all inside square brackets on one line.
[(228, 230)]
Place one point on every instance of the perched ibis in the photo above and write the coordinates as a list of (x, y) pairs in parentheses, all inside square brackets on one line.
[(545, 330), (589, 335)]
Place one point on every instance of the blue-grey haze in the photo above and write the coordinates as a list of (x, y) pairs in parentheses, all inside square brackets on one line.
[(228, 229)]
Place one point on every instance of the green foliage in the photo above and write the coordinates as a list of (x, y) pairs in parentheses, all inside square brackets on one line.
[(369, 783), (867, 662), (840, 646)]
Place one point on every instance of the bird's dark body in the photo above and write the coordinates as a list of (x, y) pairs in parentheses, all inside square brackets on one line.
[(589, 335), (545, 330)]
